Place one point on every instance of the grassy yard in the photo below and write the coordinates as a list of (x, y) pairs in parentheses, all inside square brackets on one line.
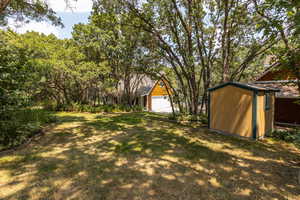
[(143, 156)]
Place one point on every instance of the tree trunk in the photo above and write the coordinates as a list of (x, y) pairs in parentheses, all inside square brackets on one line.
[(299, 177), (225, 44), (3, 5)]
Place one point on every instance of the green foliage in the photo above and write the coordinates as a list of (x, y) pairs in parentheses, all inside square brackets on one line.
[(14, 75), (108, 37), (22, 124), (292, 135), (280, 20), (203, 42), (76, 107), (38, 68), (25, 10), (278, 15), (48, 69), (195, 45), (16, 123)]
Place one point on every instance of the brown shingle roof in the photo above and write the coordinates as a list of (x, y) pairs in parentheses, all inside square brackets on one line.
[(286, 89)]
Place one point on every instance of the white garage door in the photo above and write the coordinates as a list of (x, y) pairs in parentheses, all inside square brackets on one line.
[(161, 104)]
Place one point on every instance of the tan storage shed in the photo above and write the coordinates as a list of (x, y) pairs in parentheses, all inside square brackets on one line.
[(241, 109)]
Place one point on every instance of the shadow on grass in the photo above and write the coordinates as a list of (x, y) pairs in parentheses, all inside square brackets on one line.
[(141, 156), (69, 118)]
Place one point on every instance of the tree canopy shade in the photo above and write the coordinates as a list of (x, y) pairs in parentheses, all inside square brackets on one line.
[(26, 10)]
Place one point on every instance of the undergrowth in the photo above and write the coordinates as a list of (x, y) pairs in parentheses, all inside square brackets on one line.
[(17, 126), (288, 135), (75, 107)]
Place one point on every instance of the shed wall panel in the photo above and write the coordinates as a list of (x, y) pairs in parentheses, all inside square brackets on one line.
[(231, 110), (261, 118), (270, 116), (265, 118)]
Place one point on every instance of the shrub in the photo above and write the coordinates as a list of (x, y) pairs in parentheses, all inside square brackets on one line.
[(21, 125), (49, 105), (137, 108), (76, 107), (292, 135)]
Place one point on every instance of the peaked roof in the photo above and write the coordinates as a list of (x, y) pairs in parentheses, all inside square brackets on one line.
[(149, 89), (287, 89), (276, 73), (266, 71), (252, 87), (145, 90)]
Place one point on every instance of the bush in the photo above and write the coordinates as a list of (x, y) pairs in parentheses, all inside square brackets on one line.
[(76, 107), (21, 125), (292, 135), (49, 105)]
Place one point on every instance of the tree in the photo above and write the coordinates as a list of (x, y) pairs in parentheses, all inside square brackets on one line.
[(26, 10), (56, 70), (13, 75), (107, 38), (281, 19), (203, 42)]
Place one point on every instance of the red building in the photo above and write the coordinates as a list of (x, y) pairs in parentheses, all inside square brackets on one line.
[(287, 101)]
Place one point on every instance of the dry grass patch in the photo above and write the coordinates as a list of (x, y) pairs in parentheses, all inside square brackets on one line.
[(143, 156)]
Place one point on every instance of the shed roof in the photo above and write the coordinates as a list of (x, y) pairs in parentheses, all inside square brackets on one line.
[(287, 89), (145, 90), (247, 86), (143, 84)]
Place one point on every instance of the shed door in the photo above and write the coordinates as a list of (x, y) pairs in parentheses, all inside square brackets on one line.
[(161, 104)]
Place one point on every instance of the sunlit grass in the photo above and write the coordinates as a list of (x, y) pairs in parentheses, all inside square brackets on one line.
[(144, 156)]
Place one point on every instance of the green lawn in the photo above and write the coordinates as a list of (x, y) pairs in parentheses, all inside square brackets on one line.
[(143, 156)]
